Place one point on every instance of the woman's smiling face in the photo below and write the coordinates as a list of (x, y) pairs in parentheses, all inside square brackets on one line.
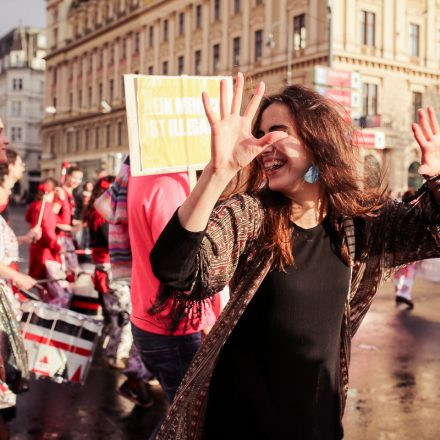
[(286, 161)]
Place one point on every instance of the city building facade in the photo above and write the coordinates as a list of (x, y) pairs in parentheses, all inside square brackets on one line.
[(382, 63), (22, 66)]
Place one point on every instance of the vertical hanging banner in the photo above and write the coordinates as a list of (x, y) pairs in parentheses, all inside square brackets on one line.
[(167, 127)]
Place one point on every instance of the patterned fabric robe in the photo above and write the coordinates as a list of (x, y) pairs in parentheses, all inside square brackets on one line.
[(229, 254)]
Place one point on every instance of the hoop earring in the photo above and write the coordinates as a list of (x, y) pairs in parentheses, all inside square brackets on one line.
[(312, 174)]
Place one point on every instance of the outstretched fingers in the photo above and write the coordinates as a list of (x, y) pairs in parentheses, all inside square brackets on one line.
[(224, 104), (270, 138), (254, 103), (208, 109), (424, 124), (433, 121), (238, 94)]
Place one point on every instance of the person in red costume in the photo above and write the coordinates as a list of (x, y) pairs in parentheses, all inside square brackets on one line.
[(64, 207), (47, 247)]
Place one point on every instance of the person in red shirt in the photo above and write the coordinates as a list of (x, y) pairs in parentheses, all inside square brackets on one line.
[(64, 207), (47, 247)]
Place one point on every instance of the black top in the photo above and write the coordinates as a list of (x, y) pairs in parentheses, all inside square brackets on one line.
[(277, 376)]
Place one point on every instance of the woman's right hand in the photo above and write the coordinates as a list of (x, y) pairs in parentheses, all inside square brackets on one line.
[(233, 145), (23, 281)]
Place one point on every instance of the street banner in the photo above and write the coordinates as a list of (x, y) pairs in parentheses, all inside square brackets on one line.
[(167, 127)]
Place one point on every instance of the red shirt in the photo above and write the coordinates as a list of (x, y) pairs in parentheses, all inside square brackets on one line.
[(47, 247), (151, 202)]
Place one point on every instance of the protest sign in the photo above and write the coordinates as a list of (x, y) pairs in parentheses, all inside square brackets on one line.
[(167, 127)]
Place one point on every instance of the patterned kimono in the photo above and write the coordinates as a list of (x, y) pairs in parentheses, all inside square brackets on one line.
[(230, 254)]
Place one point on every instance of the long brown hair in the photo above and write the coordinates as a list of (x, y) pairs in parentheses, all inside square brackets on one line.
[(320, 125)]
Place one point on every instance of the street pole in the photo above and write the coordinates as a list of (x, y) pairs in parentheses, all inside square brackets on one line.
[(330, 37)]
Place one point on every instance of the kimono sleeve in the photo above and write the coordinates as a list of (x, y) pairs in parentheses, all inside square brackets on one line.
[(211, 256), (410, 231)]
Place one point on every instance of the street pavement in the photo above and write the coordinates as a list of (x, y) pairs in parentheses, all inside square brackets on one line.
[(394, 383)]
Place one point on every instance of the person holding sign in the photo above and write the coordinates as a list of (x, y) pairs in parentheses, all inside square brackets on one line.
[(303, 247)]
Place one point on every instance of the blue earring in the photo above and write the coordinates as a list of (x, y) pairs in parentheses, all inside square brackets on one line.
[(312, 174)]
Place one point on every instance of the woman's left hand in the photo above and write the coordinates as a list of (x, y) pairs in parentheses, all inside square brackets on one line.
[(427, 134)]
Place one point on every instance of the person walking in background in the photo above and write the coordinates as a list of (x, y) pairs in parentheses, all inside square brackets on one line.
[(120, 351), (151, 202), (303, 246), (404, 277)]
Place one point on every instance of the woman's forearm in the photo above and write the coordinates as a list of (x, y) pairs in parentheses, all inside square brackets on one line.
[(196, 210)]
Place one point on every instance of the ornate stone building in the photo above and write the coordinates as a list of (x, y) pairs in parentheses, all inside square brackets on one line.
[(384, 57), (22, 65)]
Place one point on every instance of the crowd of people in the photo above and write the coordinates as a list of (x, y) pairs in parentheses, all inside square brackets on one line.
[(279, 217)]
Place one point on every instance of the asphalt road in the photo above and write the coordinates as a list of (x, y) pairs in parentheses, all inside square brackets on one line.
[(394, 383)]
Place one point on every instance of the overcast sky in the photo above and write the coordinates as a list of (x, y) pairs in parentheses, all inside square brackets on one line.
[(25, 12)]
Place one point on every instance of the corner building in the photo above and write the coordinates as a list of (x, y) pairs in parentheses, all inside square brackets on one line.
[(392, 48)]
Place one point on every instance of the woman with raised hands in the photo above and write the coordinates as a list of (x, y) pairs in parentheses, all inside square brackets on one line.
[(303, 247)]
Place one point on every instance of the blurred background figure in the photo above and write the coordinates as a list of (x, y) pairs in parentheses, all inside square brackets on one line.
[(404, 277)]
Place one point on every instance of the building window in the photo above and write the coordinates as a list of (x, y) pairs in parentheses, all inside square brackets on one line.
[(16, 134), (414, 40), (136, 46), (236, 52), (111, 90), (71, 67), (107, 135), (165, 30), (122, 87), (216, 58), (237, 6), (100, 92), (111, 58), (258, 2), (97, 138), (299, 32), (69, 142), (417, 101), (371, 171), (90, 95), (165, 68), (16, 108), (438, 45), (181, 23), (415, 180), (216, 9), (77, 141), (369, 99), (17, 84), (79, 98), (368, 28), (150, 70), (197, 62), (180, 65), (91, 63), (123, 49), (81, 65), (198, 16), (70, 101), (86, 139), (120, 133), (150, 36), (258, 49), (52, 146), (101, 58)]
